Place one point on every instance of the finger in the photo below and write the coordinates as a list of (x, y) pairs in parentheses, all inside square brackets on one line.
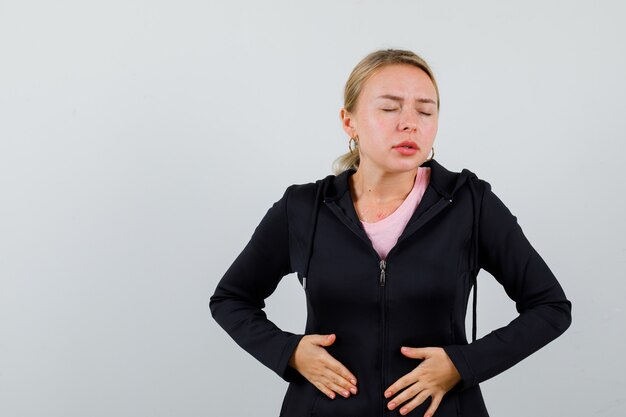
[(337, 388), (346, 378), (329, 393), (326, 339), (405, 395), (339, 381), (433, 405), (419, 399), (415, 353), (404, 381)]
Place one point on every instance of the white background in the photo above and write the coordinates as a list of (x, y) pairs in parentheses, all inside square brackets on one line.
[(142, 141)]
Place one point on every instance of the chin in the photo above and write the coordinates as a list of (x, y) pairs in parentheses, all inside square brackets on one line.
[(405, 167)]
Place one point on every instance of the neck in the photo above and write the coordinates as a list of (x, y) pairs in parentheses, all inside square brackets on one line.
[(381, 187)]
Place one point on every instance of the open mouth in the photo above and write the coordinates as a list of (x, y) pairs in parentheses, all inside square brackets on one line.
[(407, 145)]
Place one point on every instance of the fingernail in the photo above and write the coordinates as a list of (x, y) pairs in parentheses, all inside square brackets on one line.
[(353, 390), (353, 381), (388, 394), (392, 405)]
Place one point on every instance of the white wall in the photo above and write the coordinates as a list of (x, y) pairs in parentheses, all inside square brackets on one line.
[(142, 141)]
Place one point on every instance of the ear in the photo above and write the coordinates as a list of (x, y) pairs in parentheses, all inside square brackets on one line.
[(347, 122)]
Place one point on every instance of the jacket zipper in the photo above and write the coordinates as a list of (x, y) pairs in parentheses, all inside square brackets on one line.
[(382, 265)]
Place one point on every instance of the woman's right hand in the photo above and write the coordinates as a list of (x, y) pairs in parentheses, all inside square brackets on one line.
[(320, 368)]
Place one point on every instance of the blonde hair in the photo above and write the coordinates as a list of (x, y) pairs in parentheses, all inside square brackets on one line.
[(362, 72)]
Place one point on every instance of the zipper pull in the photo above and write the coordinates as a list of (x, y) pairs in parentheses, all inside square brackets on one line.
[(304, 282), (383, 264)]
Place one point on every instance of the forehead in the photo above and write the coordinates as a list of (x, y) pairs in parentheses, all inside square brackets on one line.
[(400, 80)]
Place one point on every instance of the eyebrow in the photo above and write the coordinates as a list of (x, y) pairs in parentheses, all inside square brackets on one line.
[(397, 98)]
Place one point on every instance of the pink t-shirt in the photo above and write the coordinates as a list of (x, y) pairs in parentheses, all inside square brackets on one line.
[(385, 233)]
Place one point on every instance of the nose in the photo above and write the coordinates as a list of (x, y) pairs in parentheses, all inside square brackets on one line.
[(408, 121)]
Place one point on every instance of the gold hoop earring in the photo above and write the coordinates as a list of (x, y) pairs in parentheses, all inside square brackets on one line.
[(356, 143), (432, 149)]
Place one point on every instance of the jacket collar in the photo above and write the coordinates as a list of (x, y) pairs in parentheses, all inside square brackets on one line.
[(442, 180)]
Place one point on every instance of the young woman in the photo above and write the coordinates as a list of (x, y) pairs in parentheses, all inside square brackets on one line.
[(387, 250)]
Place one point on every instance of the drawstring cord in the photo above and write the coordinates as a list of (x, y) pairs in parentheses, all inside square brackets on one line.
[(312, 233), (474, 257)]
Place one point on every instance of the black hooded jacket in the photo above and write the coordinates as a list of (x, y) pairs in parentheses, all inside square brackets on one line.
[(416, 297)]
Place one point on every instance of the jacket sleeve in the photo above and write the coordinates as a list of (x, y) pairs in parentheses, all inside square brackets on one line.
[(238, 302), (544, 311)]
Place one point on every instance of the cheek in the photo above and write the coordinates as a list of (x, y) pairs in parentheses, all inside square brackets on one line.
[(378, 124), (383, 123), (430, 128)]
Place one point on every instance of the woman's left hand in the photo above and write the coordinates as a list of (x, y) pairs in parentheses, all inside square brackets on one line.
[(433, 377)]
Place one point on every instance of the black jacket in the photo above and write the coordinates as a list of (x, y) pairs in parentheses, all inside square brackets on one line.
[(417, 297)]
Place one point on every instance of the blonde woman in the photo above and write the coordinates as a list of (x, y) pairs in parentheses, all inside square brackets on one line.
[(387, 250)]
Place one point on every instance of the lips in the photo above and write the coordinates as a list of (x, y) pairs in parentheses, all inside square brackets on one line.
[(407, 144), (406, 148)]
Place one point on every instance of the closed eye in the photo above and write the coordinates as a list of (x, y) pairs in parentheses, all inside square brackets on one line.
[(424, 113)]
